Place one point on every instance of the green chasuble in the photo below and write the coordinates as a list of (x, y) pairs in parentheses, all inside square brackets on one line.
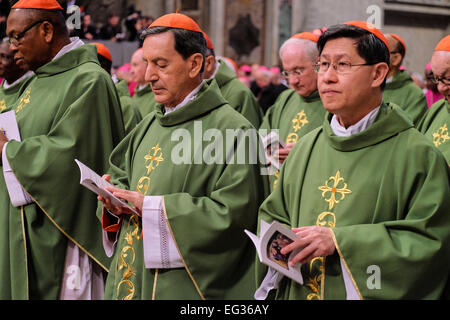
[(435, 126), (385, 193), (206, 206), (238, 95), (8, 97), (144, 100), (131, 114), (405, 93), (294, 116), (70, 110)]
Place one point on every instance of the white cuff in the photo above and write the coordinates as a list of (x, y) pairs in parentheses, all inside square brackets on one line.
[(352, 294), (109, 242), (17, 195), (270, 282), (160, 251)]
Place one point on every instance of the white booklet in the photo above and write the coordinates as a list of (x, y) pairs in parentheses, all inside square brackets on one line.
[(274, 237), (8, 125), (97, 184), (271, 143)]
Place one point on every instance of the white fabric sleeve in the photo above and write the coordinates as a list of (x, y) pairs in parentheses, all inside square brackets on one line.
[(110, 240), (350, 288), (270, 282), (160, 251), (17, 195)]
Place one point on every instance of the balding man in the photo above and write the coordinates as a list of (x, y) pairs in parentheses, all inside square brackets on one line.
[(143, 96), (299, 110), (436, 122), (15, 78), (186, 240), (265, 91), (400, 87), (234, 91), (51, 245)]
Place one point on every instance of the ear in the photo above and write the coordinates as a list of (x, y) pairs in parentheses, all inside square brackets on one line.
[(210, 62), (195, 64), (380, 72), (47, 31)]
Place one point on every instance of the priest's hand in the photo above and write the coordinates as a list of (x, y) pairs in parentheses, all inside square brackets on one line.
[(314, 242), (282, 153), (134, 198), (3, 140)]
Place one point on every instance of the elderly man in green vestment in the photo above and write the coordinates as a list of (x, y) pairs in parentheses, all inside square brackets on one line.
[(187, 240), (400, 87), (299, 110), (436, 122), (15, 79), (367, 195), (131, 115), (143, 96), (51, 245), (233, 90)]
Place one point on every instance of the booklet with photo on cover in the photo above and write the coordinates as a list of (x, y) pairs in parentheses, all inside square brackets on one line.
[(274, 237), (97, 184), (271, 143)]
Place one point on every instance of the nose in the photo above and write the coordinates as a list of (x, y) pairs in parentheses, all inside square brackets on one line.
[(151, 74), (443, 88), (329, 76)]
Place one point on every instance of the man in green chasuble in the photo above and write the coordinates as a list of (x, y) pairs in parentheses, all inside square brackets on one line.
[(400, 87), (51, 247), (237, 94), (143, 97), (187, 239), (299, 110), (367, 195), (436, 122)]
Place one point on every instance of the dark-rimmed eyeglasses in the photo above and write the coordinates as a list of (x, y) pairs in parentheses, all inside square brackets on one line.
[(339, 67), (15, 40), (445, 81)]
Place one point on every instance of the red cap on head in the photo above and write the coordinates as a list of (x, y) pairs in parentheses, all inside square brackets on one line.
[(444, 44), (102, 50), (399, 39), (178, 21), (209, 43), (38, 4), (307, 36), (371, 28)]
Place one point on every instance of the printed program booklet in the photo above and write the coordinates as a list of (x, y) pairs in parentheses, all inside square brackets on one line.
[(274, 237), (271, 144), (97, 184)]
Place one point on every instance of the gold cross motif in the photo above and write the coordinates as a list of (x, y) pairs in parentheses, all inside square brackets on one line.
[(336, 186), (2, 105), (150, 159), (441, 136), (300, 121), (24, 101)]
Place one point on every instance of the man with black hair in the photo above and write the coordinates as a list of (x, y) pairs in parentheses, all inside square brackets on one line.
[(15, 78), (364, 193), (186, 239), (400, 87), (234, 91), (51, 245)]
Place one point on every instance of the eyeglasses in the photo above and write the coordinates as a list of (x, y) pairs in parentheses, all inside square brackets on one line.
[(15, 39), (445, 81), (296, 72), (340, 67)]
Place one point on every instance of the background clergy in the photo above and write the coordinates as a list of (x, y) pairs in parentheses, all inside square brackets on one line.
[(436, 123), (298, 110), (70, 110), (364, 190), (143, 97), (187, 241)]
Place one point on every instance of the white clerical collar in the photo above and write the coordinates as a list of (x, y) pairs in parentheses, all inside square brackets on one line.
[(190, 97), (75, 43), (389, 80), (143, 86), (6, 85), (216, 66), (358, 127), (115, 79)]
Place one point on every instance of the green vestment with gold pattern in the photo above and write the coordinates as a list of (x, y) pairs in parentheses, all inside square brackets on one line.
[(9, 96), (70, 110), (385, 193), (206, 206), (435, 126), (294, 116)]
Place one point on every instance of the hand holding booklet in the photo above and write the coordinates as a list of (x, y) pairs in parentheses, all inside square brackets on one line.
[(97, 184), (274, 237), (271, 143)]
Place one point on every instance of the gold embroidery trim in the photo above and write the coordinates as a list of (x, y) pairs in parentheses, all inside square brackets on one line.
[(179, 252), (343, 191), (25, 247), (24, 101), (154, 284), (2, 105), (441, 136), (346, 266)]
